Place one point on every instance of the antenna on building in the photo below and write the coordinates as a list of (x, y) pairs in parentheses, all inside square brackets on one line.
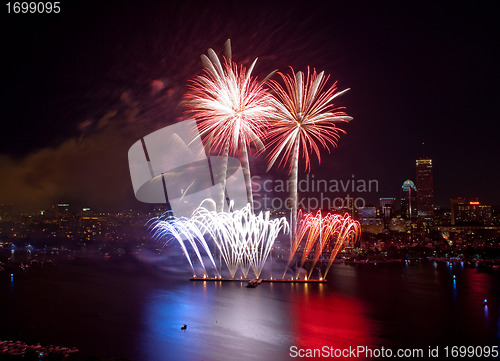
[(423, 150)]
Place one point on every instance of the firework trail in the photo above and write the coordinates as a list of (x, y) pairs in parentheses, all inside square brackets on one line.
[(182, 229), (303, 120), (243, 239), (318, 234), (230, 106)]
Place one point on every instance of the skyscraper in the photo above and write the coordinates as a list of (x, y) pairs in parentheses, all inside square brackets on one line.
[(425, 195), (455, 204), (387, 210), (408, 200)]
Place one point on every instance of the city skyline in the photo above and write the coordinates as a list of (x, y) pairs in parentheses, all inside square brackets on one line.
[(265, 180), (86, 93), (309, 186)]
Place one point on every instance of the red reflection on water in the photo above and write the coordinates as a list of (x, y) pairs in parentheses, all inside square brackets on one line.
[(480, 290), (332, 320)]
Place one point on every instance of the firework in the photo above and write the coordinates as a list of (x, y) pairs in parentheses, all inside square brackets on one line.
[(318, 234), (230, 106), (181, 229), (243, 239), (304, 119)]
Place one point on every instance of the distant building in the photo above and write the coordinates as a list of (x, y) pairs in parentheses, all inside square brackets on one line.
[(470, 213), (369, 221), (62, 209), (425, 195), (367, 212), (399, 224), (454, 205), (372, 225), (93, 227), (387, 210), (408, 200)]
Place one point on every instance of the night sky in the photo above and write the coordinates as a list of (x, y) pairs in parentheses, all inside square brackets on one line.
[(80, 87)]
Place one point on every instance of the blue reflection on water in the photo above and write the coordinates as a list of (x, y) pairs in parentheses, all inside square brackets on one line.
[(498, 327), (226, 321), (222, 323), (167, 312)]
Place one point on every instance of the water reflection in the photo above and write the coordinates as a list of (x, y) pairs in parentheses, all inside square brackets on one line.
[(137, 316), (332, 320), (11, 285), (498, 328), (417, 305), (227, 320), (223, 322)]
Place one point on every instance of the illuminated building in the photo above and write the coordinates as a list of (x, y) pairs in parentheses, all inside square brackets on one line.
[(398, 224), (454, 205), (372, 225), (369, 221), (408, 200), (425, 194), (62, 209), (470, 213), (367, 212), (387, 210), (92, 227)]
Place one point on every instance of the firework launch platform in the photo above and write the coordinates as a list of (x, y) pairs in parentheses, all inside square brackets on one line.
[(277, 280)]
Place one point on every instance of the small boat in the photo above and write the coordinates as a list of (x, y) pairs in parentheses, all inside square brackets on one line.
[(184, 327), (254, 283)]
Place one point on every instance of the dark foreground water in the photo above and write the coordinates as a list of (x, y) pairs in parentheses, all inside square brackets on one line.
[(125, 309)]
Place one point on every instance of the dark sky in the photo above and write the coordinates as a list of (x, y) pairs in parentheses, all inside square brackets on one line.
[(80, 87)]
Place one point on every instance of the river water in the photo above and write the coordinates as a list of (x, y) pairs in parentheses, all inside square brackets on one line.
[(123, 308)]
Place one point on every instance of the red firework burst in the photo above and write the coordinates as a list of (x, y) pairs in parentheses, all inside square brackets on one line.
[(304, 118), (229, 104)]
